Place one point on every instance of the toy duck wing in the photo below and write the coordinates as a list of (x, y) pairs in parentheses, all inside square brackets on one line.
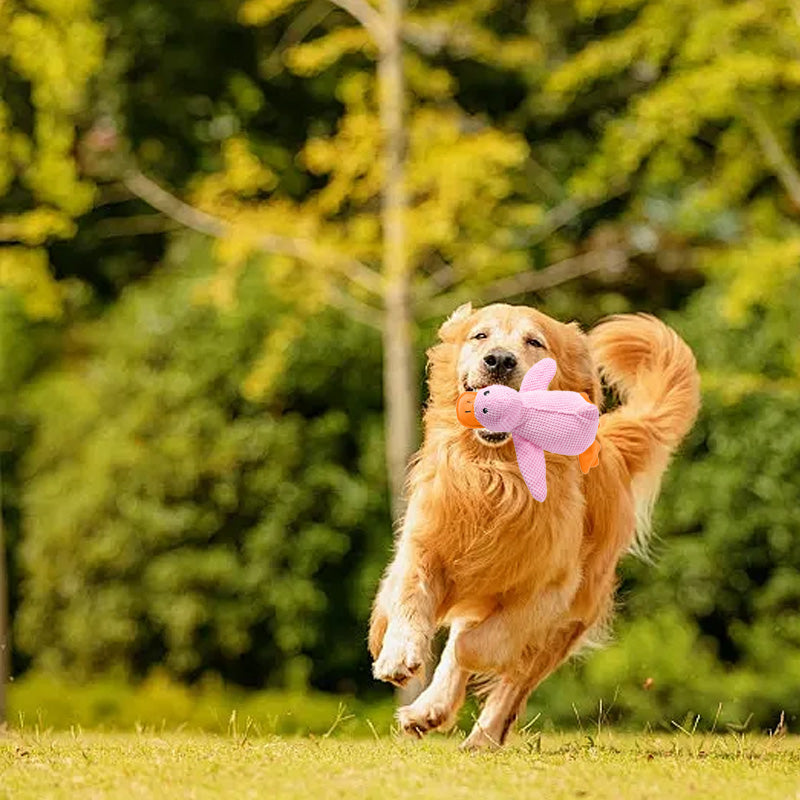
[(539, 375), (531, 462)]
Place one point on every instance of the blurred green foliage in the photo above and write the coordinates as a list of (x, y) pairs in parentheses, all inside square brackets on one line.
[(139, 549), (41, 701), (167, 518), (706, 140), (158, 515), (49, 52), (710, 624)]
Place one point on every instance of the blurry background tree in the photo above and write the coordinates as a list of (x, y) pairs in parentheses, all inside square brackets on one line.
[(707, 138), (205, 531), (408, 211), (159, 502), (707, 144), (47, 55)]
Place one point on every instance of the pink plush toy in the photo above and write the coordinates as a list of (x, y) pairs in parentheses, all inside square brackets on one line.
[(538, 419)]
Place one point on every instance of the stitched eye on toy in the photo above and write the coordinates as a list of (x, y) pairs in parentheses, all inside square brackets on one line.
[(485, 410), (486, 392), (480, 335), (534, 342)]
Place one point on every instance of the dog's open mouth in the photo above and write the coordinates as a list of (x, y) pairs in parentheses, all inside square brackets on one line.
[(490, 437)]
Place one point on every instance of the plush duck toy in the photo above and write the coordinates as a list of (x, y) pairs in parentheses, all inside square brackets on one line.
[(538, 420)]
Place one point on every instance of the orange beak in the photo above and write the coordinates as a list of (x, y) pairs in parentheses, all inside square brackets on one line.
[(465, 410)]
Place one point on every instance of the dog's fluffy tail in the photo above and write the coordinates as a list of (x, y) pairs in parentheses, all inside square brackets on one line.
[(655, 374)]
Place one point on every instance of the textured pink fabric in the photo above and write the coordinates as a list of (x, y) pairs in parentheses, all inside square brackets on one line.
[(538, 419)]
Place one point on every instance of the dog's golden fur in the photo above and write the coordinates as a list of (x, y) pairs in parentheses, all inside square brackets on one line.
[(523, 584)]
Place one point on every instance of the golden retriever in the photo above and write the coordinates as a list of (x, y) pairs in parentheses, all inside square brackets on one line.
[(521, 584)]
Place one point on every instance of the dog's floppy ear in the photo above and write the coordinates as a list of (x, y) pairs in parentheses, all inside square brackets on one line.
[(450, 327)]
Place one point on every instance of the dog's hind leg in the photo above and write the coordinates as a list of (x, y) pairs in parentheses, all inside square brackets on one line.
[(437, 707), (496, 644), (590, 608), (507, 698)]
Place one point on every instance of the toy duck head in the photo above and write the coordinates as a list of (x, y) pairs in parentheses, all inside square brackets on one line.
[(496, 408)]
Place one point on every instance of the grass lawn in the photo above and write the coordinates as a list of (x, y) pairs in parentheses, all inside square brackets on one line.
[(553, 766)]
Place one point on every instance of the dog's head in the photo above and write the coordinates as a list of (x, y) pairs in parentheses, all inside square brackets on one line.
[(498, 344)]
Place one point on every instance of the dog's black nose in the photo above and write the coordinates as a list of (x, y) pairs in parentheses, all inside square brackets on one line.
[(500, 361)]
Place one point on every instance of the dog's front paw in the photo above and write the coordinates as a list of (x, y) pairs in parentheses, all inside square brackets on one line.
[(401, 658), (421, 717)]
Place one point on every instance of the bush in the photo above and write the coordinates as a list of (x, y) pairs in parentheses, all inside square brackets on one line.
[(715, 618), (49, 701), (169, 520)]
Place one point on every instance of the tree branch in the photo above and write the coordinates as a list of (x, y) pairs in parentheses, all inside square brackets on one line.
[(355, 309), (148, 190), (300, 26), (438, 281), (612, 260), (369, 19), (558, 216), (568, 210), (198, 220), (776, 157), (445, 277), (429, 39), (140, 225)]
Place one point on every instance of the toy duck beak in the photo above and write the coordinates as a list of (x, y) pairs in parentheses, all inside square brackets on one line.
[(465, 410)]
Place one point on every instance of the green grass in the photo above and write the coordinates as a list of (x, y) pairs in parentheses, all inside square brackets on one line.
[(553, 766)]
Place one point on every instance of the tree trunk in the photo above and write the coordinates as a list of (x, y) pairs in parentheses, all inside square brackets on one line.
[(399, 375), (400, 389), (400, 394), (5, 636)]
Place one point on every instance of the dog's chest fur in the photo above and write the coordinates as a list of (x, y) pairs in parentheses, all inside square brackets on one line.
[(492, 538)]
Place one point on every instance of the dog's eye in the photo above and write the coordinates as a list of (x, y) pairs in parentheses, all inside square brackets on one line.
[(534, 342), (479, 336)]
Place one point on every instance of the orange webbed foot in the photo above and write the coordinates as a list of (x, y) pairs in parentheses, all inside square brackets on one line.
[(590, 457)]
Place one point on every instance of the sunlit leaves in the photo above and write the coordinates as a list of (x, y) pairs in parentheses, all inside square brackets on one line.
[(193, 527), (314, 56), (757, 272), (260, 12), (53, 47), (26, 271), (710, 123), (273, 358), (443, 180), (463, 176), (36, 227)]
